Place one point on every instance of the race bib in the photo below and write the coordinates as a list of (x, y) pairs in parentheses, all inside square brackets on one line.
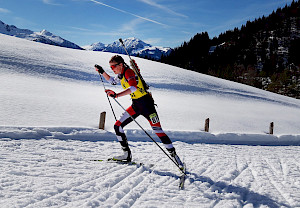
[(154, 118)]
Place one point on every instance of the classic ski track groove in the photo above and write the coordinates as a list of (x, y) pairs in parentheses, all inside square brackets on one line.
[(60, 192), (277, 173), (71, 187), (277, 185), (260, 168), (297, 165), (124, 176), (144, 190), (114, 170), (136, 186), (139, 170), (154, 174), (159, 184), (205, 167), (231, 181)]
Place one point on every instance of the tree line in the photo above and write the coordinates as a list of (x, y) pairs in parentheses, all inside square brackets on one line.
[(264, 53)]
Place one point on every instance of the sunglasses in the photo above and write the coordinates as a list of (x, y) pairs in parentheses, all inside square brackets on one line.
[(114, 66)]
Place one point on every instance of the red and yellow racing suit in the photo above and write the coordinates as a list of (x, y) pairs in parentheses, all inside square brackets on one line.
[(142, 104)]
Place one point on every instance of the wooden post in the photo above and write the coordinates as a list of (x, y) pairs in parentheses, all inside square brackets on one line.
[(271, 128), (206, 127), (102, 120)]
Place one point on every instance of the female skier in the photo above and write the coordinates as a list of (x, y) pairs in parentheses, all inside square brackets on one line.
[(142, 104)]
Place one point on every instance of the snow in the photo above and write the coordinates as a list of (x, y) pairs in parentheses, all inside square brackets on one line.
[(51, 99), (50, 36), (59, 173), (43, 36), (134, 46), (95, 47)]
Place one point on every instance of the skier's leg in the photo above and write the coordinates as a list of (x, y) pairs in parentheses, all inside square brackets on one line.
[(119, 125), (156, 126)]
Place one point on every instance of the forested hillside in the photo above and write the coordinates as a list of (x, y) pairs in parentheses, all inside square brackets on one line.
[(264, 53)]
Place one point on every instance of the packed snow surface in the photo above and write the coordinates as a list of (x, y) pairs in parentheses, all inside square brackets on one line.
[(50, 101), (56, 173)]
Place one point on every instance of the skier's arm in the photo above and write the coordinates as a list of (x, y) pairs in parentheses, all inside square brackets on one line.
[(123, 93), (101, 71), (106, 76), (110, 79)]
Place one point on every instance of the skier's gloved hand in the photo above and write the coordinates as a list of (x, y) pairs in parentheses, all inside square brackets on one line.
[(99, 69), (111, 93)]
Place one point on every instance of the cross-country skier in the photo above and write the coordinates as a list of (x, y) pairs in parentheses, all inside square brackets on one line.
[(142, 104)]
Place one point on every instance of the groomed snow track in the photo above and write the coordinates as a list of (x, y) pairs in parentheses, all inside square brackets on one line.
[(56, 173)]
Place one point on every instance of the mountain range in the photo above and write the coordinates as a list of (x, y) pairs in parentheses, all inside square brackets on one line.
[(43, 37), (134, 46)]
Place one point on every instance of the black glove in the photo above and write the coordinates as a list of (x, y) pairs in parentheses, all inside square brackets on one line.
[(111, 93), (99, 69)]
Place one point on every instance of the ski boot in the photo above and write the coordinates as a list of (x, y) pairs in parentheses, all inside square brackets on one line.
[(126, 157), (176, 158)]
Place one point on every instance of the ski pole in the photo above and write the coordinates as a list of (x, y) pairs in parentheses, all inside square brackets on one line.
[(108, 98), (150, 136)]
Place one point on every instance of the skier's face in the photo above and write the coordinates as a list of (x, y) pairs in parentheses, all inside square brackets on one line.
[(117, 68)]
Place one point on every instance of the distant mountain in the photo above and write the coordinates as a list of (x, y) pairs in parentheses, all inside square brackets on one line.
[(95, 47), (134, 46), (43, 37)]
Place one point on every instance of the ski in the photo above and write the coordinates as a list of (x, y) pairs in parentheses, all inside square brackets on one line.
[(112, 160), (182, 177)]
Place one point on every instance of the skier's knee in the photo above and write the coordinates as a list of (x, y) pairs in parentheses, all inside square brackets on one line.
[(118, 129)]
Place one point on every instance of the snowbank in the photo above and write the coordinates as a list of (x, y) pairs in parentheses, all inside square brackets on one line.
[(91, 134)]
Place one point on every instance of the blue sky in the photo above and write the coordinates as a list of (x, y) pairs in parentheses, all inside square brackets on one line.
[(159, 22)]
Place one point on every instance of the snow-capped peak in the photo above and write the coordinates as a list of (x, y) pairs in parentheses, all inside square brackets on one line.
[(43, 36), (135, 43), (95, 47), (134, 46), (45, 33)]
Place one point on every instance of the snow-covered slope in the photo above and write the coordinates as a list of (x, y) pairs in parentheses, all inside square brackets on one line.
[(134, 46), (50, 101), (67, 82), (43, 37), (30, 69)]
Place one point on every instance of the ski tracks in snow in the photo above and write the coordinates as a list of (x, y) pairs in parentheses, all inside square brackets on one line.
[(55, 173), (123, 187), (239, 176)]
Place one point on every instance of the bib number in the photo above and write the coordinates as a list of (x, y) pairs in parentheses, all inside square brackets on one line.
[(154, 118)]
